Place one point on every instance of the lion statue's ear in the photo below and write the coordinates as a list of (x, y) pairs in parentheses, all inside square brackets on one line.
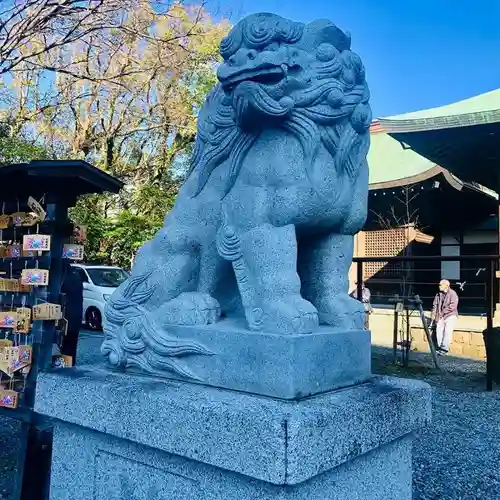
[(324, 31)]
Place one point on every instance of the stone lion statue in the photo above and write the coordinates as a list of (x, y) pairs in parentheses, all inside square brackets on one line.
[(263, 226)]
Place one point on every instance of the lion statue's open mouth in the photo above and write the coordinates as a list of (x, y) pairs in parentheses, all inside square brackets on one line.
[(270, 75), (257, 91)]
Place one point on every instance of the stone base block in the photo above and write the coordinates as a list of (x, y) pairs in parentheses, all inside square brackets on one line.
[(122, 437), (280, 366)]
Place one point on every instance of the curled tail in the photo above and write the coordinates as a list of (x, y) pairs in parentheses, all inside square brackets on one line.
[(134, 339)]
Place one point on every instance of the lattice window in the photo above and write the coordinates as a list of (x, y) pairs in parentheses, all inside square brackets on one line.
[(387, 242)]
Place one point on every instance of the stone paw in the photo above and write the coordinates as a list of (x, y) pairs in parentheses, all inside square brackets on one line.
[(290, 315), (341, 311), (189, 308)]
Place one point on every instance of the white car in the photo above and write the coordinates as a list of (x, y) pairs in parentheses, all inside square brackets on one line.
[(99, 282)]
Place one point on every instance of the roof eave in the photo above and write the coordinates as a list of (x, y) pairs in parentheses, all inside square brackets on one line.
[(451, 179), (407, 181), (392, 125), (100, 179)]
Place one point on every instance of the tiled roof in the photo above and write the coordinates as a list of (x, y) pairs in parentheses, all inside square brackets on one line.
[(478, 110), (389, 161)]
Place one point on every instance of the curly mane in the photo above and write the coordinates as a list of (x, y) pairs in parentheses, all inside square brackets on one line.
[(332, 110)]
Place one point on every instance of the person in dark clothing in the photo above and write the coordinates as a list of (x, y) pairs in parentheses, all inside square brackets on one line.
[(366, 300), (72, 287)]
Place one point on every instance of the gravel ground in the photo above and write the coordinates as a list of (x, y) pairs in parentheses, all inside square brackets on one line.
[(8, 448), (456, 458)]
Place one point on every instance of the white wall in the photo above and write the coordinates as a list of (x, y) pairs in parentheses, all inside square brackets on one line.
[(450, 270)]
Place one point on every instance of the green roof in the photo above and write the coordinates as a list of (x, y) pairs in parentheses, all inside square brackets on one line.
[(388, 161), (478, 110)]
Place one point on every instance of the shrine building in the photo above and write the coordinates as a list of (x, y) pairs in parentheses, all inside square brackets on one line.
[(433, 191)]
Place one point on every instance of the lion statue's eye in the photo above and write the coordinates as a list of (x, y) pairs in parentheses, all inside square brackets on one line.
[(326, 52)]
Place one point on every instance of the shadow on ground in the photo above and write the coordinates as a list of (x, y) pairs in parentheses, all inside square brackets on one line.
[(455, 458)]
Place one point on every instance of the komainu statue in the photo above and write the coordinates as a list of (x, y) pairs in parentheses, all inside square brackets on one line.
[(263, 226)]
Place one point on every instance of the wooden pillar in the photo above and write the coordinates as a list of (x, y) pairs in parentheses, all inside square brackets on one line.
[(359, 251)]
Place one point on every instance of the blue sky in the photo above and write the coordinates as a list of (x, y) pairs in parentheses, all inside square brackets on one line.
[(418, 53)]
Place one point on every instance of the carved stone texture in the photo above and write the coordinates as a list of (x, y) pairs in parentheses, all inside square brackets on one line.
[(263, 226), (145, 439), (289, 367)]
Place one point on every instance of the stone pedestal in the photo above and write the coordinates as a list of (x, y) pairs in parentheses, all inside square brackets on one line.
[(268, 364), (122, 436)]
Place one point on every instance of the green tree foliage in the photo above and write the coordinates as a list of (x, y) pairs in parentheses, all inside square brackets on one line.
[(90, 212), (17, 149), (123, 95), (124, 236)]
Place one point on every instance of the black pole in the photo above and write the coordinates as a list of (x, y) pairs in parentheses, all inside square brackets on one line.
[(395, 336), (496, 285), (36, 473), (427, 331), (359, 280), (490, 308)]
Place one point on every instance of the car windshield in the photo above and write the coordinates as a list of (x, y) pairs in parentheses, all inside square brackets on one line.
[(111, 277)]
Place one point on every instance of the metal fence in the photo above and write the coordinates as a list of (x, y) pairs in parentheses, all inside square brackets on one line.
[(403, 276)]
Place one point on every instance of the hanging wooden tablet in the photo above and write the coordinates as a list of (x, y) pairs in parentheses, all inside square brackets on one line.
[(24, 354), (9, 285), (8, 319), (47, 311), (37, 242), (17, 218), (23, 319), (3, 251), (6, 360), (62, 361), (5, 343), (4, 221), (37, 208), (30, 253), (13, 359), (80, 233), (8, 399), (73, 252), (30, 220), (14, 251), (24, 288), (12, 285), (35, 277)]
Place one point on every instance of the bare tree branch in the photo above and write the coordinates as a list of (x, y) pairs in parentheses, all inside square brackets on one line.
[(30, 29)]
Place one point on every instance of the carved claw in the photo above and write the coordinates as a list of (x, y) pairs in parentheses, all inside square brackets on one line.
[(189, 308), (341, 312), (290, 315)]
